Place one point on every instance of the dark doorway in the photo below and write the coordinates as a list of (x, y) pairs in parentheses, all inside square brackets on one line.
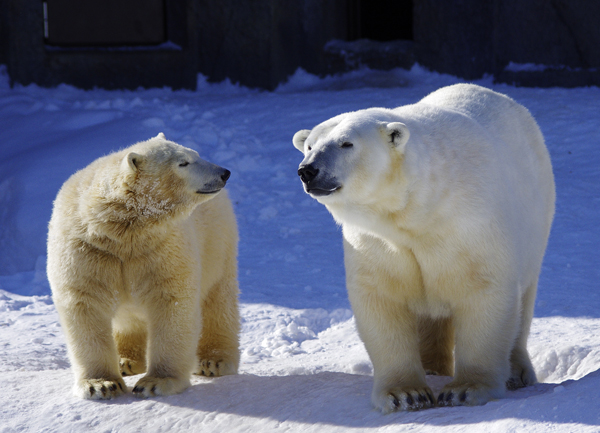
[(381, 20)]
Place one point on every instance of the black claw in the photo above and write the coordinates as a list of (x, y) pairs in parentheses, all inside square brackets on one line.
[(153, 389), (409, 400), (92, 390), (113, 387), (422, 399), (138, 389), (463, 396), (431, 400), (395, 401), (103, 389), (449, 397), (440, 398), (120, 386)]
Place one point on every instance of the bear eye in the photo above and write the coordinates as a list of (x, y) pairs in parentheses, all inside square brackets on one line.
[(184, 164), (309, 148), (347, 144)]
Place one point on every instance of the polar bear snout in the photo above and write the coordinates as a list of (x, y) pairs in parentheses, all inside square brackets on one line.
[(218, 179), (307, 173), (317, 183)]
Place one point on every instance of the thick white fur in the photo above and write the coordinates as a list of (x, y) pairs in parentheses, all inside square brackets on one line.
[(143, 270), (445, 225)]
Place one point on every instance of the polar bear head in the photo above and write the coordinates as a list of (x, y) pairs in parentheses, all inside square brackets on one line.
[(160, 176), (351, 157)]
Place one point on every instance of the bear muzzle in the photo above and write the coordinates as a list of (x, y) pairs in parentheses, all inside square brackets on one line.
[(314, 184), (216, 185)]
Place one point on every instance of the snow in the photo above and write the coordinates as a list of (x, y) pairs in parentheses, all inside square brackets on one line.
[(303, 366), (525, 67)]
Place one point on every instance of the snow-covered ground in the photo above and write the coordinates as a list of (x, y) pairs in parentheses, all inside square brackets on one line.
[(303, 365)]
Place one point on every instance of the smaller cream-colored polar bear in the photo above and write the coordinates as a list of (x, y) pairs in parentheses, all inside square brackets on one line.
[(446, 207), (142, 262)]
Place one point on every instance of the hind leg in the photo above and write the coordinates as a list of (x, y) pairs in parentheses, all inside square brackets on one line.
[(436, 345), (131, 344), (218, 348), (521, 370), (486, 327)]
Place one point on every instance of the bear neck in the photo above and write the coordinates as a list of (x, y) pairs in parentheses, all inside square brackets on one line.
[(390, 217), (129, 220)]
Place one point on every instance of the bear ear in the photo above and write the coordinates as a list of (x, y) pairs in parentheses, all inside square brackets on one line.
[(398, 134), (161, 135), (299, 139), (131, 162)]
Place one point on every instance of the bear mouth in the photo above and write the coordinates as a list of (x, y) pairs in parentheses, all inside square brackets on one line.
[(213, 191), (321, 192)]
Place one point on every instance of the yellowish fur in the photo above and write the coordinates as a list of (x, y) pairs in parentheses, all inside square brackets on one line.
[(143, 270)]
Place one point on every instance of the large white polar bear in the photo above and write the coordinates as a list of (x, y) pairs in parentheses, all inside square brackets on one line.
[(446, 207), (142, 262)]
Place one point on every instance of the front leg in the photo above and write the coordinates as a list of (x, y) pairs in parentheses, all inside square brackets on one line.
[(381, 282), (390, 334), (173, 331), (92, 350)]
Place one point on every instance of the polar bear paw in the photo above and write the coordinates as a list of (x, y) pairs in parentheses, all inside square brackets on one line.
[(404, 399), (100, 389), (130, 367), (522, 375), (149, 386), (468, 394), (213, 368)]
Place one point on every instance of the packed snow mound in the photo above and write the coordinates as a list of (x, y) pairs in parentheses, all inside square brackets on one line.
[(303, 367)]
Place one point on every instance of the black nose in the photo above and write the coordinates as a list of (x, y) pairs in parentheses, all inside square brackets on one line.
[(307, 173), (225, 175)]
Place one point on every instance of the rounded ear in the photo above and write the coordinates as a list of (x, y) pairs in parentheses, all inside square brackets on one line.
[(161, 135), (398, 134), (299, 139), (131, 162)]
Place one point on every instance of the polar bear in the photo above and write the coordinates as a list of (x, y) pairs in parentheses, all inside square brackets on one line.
[(142, 262), (446, 207)]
